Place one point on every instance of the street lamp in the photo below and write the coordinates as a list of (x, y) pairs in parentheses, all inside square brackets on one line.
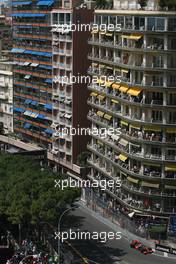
[(59, 225)]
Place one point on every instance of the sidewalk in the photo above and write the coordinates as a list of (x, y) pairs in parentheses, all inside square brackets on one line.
[(126, 234)]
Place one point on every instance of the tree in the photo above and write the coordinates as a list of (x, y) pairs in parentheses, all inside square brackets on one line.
[(82, 159), (167, 3), (143, 3), (28, 194)]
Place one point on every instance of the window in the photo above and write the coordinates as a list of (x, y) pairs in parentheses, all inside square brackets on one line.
[(172, 117), (156, 23), (139, 23), (157, 115), (120, 21), (156, 151), (55, 18), (128, 22), (172, 24)]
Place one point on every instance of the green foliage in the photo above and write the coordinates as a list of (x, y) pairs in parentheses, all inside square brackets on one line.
[(143, 3), (82, 158), (167, 3), (28, 194)]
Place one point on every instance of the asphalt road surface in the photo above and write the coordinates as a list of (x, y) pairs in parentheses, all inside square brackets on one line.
[(111, 252)]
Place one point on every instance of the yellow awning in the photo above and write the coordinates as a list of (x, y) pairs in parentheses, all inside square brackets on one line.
[(124, 123), (115, 101), (152, 128), (171, 187), (132, 180), (135, 126), (171, 130), (108, 117), (109, 34), (116, 86), (101, 97), (171, 167), (125, 36), (108, 84), (101, 114), (93, 94), (123, 89), (132, 36), (134, 91), (124, 70), (149, 184), (123, 157), (136, 36)]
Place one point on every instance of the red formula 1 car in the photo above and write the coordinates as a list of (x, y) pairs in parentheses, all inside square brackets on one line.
[(136, 244)]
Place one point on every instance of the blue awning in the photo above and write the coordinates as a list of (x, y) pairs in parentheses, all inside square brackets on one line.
[(48, 80), (21, 3), (45, 3), (20, 110), (27, 26), (28, 38), (41, 116), (34, 103), (15, 50), (27, 125), (28, 101), (45, 67), (28, 15), (38, 53), (48, 131), (48, 106)]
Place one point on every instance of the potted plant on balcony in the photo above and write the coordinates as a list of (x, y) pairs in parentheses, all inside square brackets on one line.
[(167, 3), (143, 3)]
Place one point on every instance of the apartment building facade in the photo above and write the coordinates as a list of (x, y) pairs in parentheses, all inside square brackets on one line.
[(69, 95), (142, 104), (43, 106), (6, 79)]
